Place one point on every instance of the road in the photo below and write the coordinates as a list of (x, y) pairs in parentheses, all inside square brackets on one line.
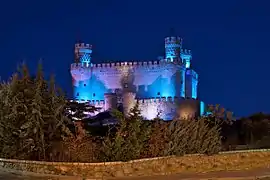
[(236, 175), (6, 174)]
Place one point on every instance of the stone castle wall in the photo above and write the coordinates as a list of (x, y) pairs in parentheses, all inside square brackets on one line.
[(242, 160), (167, 108), (146, 79)]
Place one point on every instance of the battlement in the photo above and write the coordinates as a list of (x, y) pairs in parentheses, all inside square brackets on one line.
[(119, 64), (157, 100), (186, 52), (134, 63), (83, 45), (173, 40)]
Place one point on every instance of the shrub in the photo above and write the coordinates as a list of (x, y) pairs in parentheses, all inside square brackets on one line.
[(192, 136)]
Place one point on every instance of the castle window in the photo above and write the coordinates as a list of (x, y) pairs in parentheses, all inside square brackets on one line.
[(78, 94), (158, 93), (84, 85), (94, 94)]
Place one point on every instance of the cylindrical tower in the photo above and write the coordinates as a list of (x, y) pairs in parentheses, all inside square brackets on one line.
[(83, 53), (81, 71), (173, 46), (191, 84), (110, 101), (128, 102)]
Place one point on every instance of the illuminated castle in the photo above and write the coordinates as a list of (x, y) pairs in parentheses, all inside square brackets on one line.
[(166, 87)]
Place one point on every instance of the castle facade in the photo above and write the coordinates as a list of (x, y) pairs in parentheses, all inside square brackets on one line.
[(166, 87)]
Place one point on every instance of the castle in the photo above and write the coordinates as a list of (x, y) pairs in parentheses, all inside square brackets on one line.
[(166, 87)]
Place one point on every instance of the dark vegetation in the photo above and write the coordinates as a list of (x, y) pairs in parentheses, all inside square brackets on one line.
[(36, 124)]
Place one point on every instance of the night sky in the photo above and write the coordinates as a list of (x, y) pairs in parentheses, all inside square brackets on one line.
[(230, 40)]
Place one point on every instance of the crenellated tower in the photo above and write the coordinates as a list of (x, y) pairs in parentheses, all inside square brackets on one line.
[(83, 53), (173, 46), (81, 71), (186, 57)]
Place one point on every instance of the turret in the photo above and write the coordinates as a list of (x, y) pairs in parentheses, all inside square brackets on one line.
[(186, 57), (191, 84), (81, 71), (83, 53), (173, 46)]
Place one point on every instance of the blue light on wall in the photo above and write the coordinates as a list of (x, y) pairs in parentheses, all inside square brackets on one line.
[(85, 58), (188, 63), (81, 92), (98, 89), (194, 88), (202, 108)]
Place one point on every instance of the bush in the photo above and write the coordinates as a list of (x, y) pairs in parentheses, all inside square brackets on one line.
[(180, 137), (192, 136), (136, 138)]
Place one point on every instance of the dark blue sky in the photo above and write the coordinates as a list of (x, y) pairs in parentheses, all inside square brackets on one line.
[(230, 40)]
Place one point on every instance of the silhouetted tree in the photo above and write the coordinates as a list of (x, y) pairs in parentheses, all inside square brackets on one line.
[(35, 116), (130, 138)]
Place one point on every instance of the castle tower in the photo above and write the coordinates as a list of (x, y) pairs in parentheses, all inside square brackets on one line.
[(110, 101), (186, 57), (191, 84), (81, 71), (83, 53), (173, 46), (128, 102)]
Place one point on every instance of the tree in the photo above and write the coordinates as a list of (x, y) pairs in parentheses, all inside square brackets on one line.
[(36, 115), (130, 139)]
